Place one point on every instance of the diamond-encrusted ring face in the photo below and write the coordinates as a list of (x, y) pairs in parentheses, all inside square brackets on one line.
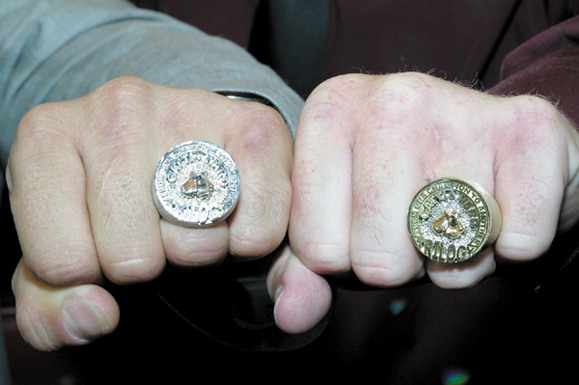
[(451, 220), (196, 184)]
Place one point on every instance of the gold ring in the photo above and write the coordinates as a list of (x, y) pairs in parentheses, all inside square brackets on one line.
[(451, 220)]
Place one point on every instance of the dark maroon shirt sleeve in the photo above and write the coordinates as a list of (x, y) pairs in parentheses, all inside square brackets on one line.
[(547, 65)]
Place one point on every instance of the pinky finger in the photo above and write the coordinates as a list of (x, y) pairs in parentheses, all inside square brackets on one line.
[(50, 318)]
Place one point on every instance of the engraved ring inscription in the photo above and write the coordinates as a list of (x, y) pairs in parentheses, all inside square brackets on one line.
[(451, 220), (196, 184)]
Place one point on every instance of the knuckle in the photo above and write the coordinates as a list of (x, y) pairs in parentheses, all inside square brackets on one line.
[(337, 93), (120, 89), (182, 256), (68, 268), (261, 126), (325, 258), (532, 124), (533, 104), (340, 86), (533, 114), (42, 124), (252, 243), (520, 246), (118, 109), (133, 270), (383, 269), (187, 247), (374, 101), (405, 94), (121, 93)]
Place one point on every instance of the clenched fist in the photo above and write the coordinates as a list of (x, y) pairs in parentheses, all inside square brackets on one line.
[(365, 145), (80, 176)]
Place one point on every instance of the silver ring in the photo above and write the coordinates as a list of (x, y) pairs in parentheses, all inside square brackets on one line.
[(196, 184)]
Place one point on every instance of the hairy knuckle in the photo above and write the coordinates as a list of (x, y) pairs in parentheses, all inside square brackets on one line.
[(406, 95), (534, 116), (336, 94)]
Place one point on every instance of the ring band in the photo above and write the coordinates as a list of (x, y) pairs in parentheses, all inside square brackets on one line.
[(196, 184), (451, 220)]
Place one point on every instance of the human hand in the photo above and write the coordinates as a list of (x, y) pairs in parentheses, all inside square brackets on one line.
[(365, 145), (80, 176)]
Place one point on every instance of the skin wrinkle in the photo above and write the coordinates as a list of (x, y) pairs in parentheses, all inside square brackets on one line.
[(127, 271), (126, 102), (192, 258), (379, 274), (33, 329), (68, 269), (325, 266), (36, 332)]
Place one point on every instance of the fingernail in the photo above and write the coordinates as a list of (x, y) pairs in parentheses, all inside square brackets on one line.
[(83, 319), (278, 293)]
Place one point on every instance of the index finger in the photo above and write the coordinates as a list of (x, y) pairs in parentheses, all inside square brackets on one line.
[(321, 211), (47, 189)]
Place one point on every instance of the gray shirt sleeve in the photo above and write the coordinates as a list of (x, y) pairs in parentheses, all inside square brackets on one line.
[(53, 50)]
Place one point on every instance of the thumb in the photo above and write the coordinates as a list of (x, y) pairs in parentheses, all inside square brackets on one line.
[(52, 317), (302, 298)]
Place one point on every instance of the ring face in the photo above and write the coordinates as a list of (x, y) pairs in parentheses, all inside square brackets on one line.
[(451, 220), (196, 184)]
